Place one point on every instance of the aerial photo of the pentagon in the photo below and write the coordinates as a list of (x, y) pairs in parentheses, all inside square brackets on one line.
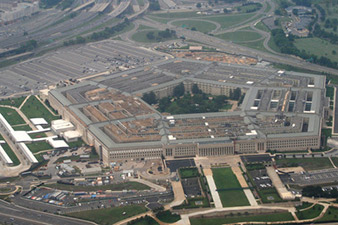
[(157, 112)]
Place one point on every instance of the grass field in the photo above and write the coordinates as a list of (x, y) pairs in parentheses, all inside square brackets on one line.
[(114, 187), (310, 213), (307, 163), (235, 219), (168, 217), (16, 102), (12, 117), (39, 146), (317, 47), (33, 108), (110, 215), (225, 179), (201, 26), (142, 37), (11, 154), (331, 215), (78, 143), (304, 205), (240, 36), (188, 172)]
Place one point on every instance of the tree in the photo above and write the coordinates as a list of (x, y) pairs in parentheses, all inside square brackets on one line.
[(199, 5), (179, 90), (150, 35), (195, 89), (149, 98)]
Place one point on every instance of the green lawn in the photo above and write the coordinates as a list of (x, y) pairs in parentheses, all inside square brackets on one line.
[(188, 172), (306, 163), (224, 20), (22, 127), (33, 108), (140, 2), (317, 47), (109, 215), (114, 187), (192, 203), (78, 143), (310, 213), (304, 205), (240, 36), (262, 27), (331, 215), (168, 217), (201, 26), (143, 27), (16, 102), (225, 179), (12, 117), (11, 154), (229, 20), (38, 135), (235, 219), (330, 92), (39, 146), (269, 195)]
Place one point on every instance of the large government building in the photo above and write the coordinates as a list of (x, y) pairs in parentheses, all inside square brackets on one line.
[(280, 111)]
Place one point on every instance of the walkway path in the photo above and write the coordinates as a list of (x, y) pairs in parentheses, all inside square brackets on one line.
[(213, 189)]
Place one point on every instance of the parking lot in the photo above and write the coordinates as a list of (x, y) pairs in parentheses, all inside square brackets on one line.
[(75, 62), (315, 178), (261, 179), (174, 165), (191, 187)]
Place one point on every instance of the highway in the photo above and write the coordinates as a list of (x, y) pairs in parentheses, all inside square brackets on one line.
[(13, 214)]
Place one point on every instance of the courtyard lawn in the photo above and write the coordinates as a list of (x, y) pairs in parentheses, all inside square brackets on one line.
[(202, 26), (12, 117), (330, 92), (109, 215), (11, 154), (225, 179), (33, 108), (307, 163), (269, 195), (39, 146), (188, 172), (22, 127), (114, 187), (235, 219)]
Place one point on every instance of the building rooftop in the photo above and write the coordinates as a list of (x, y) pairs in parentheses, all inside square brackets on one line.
[(276, 104)]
